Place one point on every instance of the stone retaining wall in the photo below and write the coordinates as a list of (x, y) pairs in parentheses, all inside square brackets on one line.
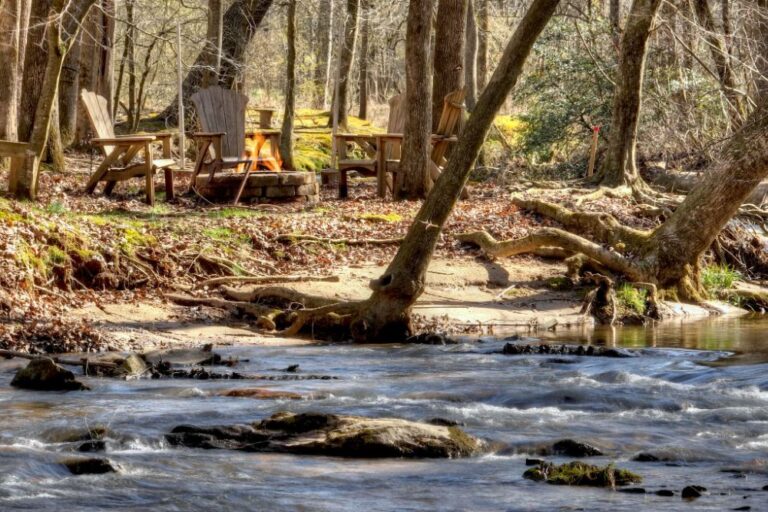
[(261, 187)]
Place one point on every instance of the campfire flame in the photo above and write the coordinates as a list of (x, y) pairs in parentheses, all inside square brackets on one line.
[(271, 161)]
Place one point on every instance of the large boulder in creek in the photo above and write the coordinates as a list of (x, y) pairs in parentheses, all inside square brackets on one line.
[(44, 374), (333, 435)]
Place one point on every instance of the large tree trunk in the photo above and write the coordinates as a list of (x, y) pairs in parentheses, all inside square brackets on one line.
[(386, 315), (96, 60), (470, 57), (759, 27), (340, 102), (614, 17), (213, 41), (69, 92), (130, 51), (286, 140), (50, 40), (323, 53), (363, 59), (10, 26), (241, 22), (620, 167), (721, 59), (449, 53), (412, 176)]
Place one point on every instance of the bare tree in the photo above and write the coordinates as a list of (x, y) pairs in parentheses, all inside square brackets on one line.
[(470, 56), (365, 6), (449, 53), (412, 177), (324, 36), (286, 140), (346, 55), (619, 166)]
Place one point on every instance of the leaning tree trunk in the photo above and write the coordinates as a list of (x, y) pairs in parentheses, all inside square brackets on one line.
[(69, 91), (323, 53), (386, 314), (363, 59), (449, 53), (470, 57), (241, 22), (411, 182), (286, 140), (619, 167), (671, 255), (340, 102)]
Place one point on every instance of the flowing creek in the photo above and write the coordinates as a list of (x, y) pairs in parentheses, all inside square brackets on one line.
[(697, 394)]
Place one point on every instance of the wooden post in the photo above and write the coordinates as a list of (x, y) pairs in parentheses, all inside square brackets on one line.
[(182, 129), (593, 151)]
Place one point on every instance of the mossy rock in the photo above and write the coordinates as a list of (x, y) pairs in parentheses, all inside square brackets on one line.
[(582, 474)]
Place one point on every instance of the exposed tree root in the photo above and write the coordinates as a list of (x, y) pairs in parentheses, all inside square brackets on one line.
[(553, 237), (277, 296), (218, 281), (240, 308), (338, 241)]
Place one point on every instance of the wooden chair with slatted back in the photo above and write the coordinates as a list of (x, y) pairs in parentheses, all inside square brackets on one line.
[(126, 156)]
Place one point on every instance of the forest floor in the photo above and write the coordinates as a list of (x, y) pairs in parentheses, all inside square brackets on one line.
[(86, 273)]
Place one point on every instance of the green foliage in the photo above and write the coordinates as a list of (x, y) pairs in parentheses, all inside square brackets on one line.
[(631, 299), (56, 256), (230, 213), (717, 278), (56, 208), (565, 90)]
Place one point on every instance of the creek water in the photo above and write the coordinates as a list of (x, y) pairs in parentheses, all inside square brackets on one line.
[(697, 395)]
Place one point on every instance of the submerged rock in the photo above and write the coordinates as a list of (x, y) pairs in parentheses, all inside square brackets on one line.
[(92, 446), (646, 457), (183, 356), (333, 435), (665, 493), (45, 375), (580, 473), (514, 349), (692, 492), (571, 448), (262, 394), (432, 338), (442, 422), (89, 466)]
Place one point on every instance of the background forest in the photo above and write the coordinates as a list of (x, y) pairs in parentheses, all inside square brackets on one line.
[(699, 84)]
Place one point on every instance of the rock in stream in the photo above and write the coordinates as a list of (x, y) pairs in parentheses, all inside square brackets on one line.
[(333, 435), (44, 374)]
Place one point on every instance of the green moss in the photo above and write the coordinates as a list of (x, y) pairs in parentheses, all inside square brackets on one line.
[(631, 299), (465, 444), (56, 208), (56, 256), (134, 239), (229, 213), (580, 473), (717, 278), (380, 217)]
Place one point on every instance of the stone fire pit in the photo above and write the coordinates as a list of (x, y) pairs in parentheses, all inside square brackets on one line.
[(262, 187)]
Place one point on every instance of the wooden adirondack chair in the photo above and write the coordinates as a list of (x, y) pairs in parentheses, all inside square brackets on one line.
[(221, 144), (368, 144), (384, 149), (453, 108), (121, 153)]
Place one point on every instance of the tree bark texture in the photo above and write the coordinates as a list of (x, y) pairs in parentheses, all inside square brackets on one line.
[(614, 17), (365, 7), (340, 103), (760, 36), (404, 280), (483, 30), (50, 41), (96, 60), (449, 53), (69, 92), (10, 26), (470, 56), (412, 176), (241, 21), (324, 36), (213, 40), (286, 140), (619, 166)]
